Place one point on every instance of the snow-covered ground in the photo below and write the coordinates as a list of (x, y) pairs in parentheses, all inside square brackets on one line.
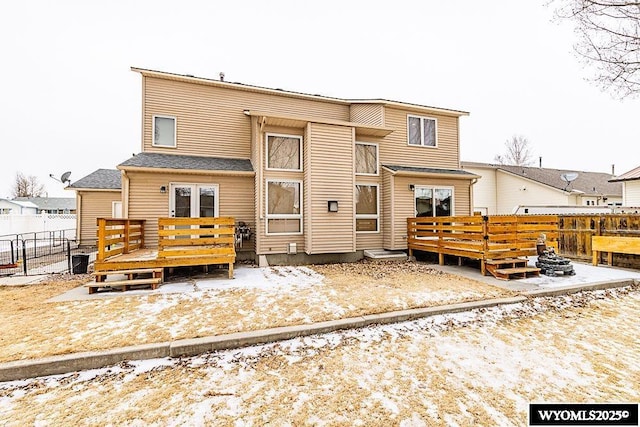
[(481, 367)]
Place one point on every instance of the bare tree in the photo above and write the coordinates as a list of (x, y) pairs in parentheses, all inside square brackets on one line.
[(27, 186), (608, 34), (517, 152)]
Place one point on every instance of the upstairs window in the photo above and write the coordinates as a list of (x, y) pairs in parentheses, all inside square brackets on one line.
[(422, 131), (164, 131), (284, 152), (366, 159)]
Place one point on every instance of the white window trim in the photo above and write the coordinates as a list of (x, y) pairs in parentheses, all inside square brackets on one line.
[(266, 151), (422, 118), (377, 159), (435, 187), (153, 131), (370, 216), (269, 216)]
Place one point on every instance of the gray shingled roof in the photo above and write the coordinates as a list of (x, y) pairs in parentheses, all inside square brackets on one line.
[(461, 172), (632, 175), (590, 183), (175, 161), (51, 203), (101, 179)]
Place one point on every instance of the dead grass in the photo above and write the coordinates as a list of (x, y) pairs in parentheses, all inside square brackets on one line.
[(33, 327), (483, 373)]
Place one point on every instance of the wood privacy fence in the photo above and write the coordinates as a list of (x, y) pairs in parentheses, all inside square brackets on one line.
[(481, 237), (576, 232), (500, 236)]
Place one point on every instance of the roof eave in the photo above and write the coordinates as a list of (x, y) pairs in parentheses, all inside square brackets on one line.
[(185, 171)]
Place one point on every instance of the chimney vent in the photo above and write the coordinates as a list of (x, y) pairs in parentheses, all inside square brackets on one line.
[(221, 76)]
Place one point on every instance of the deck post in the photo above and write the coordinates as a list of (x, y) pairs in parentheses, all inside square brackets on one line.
[(101, 238)]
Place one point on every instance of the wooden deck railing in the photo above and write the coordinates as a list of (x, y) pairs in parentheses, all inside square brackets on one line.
[(481, 237), (197, 241), (119, 236)]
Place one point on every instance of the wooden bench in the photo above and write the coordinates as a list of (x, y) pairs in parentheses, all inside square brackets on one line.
[(131, 280), (614, 244)]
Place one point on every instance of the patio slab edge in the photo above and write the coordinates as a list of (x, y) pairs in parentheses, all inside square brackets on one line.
[(55, 365), (571, 289)]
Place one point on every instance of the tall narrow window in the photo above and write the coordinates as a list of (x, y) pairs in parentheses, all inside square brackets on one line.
[(284, 215), (164, 131), (367, 208), (366, 159), (422, 131), (284, 152)]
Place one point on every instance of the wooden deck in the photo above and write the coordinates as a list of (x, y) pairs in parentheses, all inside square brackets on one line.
[(182, 242), (485, 238)]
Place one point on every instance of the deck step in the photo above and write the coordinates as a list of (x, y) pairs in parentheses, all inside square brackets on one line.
[(124, 284), (133, 271), (516, 273), (506, 261)]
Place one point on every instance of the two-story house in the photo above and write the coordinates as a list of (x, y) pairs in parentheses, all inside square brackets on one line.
[(315, 178)]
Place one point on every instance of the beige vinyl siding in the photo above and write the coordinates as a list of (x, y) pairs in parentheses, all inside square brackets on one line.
[(404, 203), (395, 150), (330, 151), (236, 195), (94, 205), (371, 114), (484, 191), (631, 193), (512, 193), (211, 120)]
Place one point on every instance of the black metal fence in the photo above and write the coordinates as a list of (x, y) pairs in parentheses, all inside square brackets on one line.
[(48, 252)]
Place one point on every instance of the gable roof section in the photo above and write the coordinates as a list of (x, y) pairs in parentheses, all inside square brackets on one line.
[(632, 175), (588, 183), (22, 202), (292, 94), (101, 179), (176, 162), (432, 172)]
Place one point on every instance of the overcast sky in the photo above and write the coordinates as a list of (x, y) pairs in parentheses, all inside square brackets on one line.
[(70, 102)]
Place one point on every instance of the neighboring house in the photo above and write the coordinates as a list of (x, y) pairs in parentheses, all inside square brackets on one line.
[(98, 195), (630, 182), (505, 189), (17, 207), (315, 178), (52, 205)]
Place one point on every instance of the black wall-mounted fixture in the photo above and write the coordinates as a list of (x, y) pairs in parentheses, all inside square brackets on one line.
[(163, 189), (332, 206)]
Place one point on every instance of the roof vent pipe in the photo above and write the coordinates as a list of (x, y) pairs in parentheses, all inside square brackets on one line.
[(221, 76), (540, 160), (613, 169)]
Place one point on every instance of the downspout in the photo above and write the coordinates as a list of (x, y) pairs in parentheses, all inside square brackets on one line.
[(124, 194), (471, 202)]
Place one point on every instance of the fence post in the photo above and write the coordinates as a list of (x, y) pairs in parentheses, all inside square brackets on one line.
[(68, 255), (24, 257)]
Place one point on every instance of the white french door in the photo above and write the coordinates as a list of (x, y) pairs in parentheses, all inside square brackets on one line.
[(193, 200)]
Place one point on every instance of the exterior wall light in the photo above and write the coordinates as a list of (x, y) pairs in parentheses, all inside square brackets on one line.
[(412, 187), (332, 206), (163, 189)]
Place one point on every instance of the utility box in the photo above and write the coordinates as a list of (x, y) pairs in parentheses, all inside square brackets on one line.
[(292, 249)]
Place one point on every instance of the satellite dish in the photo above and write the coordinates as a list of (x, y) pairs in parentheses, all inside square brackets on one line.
[(568, 178), (65, 177)]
